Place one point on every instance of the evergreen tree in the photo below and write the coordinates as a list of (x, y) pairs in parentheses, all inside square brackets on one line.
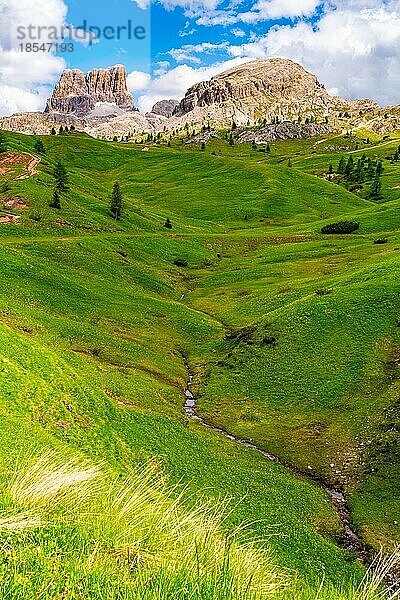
[(116, 202), (168, 224), (203, 146), (61, 130), (349, 169), (61, 176), (289, 162), (376, 188), (268, 149), (370, 169), (56, 200), (231, 140), (254, 145), (341, 166), (330, 169), (379, 168), (53, 131), (360, 171), (39, 146), (3, 143)]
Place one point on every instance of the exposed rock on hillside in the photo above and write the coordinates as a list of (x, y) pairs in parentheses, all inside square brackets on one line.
[(283, 131), (165, 108), (39, 123), (77, 93)]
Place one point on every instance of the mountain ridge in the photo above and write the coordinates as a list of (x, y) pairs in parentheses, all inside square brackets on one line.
[(259, 92)]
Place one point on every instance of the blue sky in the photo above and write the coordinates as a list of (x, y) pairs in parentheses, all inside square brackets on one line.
[(352, 46)]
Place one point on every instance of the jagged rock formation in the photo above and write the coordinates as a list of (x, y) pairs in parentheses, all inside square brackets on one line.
[(165, 108), (78, 94)]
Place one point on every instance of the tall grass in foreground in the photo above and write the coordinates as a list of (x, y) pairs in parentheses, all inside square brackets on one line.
[(68, 530)]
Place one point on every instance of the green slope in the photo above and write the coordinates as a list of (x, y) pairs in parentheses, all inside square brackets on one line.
[(94, 327)]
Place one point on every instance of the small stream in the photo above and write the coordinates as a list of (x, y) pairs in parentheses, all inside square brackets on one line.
[(349, 539)]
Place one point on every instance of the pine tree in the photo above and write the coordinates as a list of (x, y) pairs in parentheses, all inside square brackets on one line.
[(349, 169), (61, 176), (39, 147), (379, 168), (289, 162), (231, 140), (360, 171), (376, 188), (268, 149), (61, 130), (254, 145), (168, 224), (330, 169), (53, 131), (3, 143), (56, 200), (116, 202), (341, 166), (203, 146)]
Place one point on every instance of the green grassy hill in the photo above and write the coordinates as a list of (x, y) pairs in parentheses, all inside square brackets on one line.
[(292, 336)]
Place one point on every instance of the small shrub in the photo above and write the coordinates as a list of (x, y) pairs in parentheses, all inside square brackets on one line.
[(341, 227), (36, 217), (381, 241), (269, 341), (180, 262), (323, 292), (5, 186)]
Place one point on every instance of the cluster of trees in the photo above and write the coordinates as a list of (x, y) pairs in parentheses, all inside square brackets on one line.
[(63, 130), (356, 173), (341, 227)]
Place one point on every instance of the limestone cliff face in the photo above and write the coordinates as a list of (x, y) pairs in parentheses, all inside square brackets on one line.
[(77, 93), (271, 88)]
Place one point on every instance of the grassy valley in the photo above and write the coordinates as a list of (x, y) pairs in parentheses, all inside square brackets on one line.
[(292, 337)]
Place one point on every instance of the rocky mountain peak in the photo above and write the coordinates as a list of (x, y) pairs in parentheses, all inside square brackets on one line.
[(77, 93), (271, 88)]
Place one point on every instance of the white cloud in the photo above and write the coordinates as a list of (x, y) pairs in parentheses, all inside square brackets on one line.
[(25, 75), (188, 52), (138, 81), (238, 32), (174, 83), (353, 49), (277, 9)]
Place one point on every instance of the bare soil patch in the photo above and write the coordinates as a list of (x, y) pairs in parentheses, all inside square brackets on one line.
[(9, 161)]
